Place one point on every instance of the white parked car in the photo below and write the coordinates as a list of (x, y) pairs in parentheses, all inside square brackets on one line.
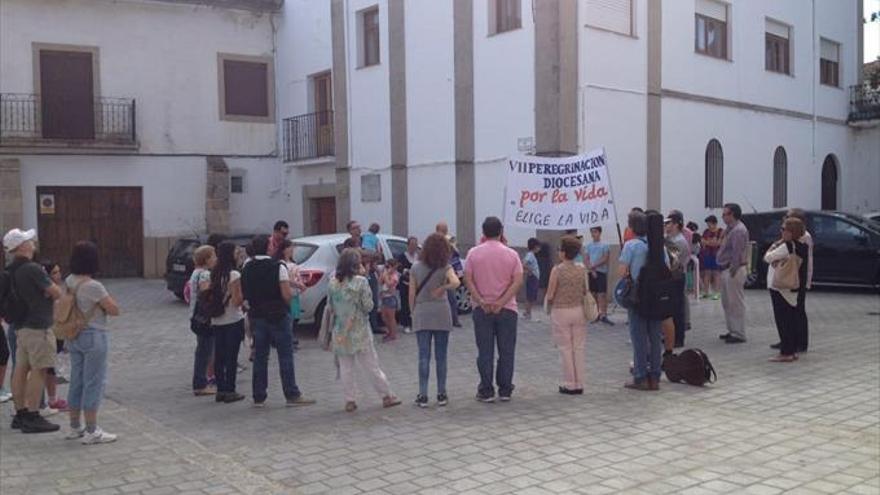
[(317, 257)]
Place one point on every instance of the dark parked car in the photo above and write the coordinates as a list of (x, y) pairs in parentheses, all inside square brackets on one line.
[(179, 263), (846, 247)]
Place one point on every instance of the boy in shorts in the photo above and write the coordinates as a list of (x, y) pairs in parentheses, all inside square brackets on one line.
[(597, 257)]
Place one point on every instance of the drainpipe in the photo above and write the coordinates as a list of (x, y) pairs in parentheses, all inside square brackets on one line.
[(813, 86)]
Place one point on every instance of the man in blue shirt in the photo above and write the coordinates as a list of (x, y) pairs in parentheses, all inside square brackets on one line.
[(598, 254)]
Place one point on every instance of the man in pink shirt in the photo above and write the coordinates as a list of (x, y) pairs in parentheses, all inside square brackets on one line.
[(494, 275)]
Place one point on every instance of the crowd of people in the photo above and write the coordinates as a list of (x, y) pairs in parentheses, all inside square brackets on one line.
[(252, 295)]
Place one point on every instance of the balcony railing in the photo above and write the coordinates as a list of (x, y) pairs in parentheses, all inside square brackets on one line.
[(308, 136), (28, 120), (864, 103)]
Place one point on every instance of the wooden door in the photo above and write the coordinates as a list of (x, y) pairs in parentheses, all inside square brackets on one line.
[(67, 95), (111, 217), (324, 216), (323, 89)]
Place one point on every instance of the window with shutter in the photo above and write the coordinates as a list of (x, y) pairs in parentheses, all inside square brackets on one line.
[(829, 63), (611, 15), (777, 42), (246, 88), (710, 28)]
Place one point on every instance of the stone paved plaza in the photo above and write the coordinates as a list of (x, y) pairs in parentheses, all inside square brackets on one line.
[(811, 427)]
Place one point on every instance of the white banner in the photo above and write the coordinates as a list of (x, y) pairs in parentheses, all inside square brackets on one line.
[(572, 192)]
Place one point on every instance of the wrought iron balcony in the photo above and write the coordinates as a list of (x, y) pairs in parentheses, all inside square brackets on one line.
[(308, 136), (864, 103), (29, 120)]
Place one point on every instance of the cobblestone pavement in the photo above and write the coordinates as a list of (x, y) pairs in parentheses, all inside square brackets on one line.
[(764, 428)]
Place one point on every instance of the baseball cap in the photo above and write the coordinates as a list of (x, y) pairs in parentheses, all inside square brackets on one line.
[(17, 237)]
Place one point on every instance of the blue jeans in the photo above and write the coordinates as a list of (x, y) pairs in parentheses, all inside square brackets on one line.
[(441, 344), (88, 369), (204, 351), (647, 349), (279, 333), (227, 341), (491, 330)]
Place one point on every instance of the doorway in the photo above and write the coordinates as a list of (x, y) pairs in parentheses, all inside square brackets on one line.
[(830, 183)]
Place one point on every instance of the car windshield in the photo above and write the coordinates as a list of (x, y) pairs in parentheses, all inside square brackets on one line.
[(861, 221), (183, 248), (302, 252)]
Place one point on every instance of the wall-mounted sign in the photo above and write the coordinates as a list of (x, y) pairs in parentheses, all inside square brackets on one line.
[(47, 204)]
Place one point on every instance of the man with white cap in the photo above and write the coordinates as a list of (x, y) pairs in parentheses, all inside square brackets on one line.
[(35, 349)]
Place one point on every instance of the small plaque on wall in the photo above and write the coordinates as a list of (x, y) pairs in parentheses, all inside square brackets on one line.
[(371, 188), (47, 204)]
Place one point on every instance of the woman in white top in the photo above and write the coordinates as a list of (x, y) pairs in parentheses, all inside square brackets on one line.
[(786, 301), (229, 327), (285, 255)]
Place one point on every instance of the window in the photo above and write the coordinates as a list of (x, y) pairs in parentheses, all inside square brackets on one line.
[(504, 15), (611, 15), (829, 63), (369, 37), (246, 88), (397, 248), (777, 47), (236, 184), (780, 178), (714, 175), (711, 28)]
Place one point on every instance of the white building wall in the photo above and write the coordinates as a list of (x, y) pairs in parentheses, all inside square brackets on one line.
[(304, 49), (504, 108), (430, 113), (369, 116), (173, 187), (162, 55), (863, 180), (613, 101), (256, 209)]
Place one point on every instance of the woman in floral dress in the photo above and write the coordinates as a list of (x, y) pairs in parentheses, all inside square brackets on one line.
[(351, 301)]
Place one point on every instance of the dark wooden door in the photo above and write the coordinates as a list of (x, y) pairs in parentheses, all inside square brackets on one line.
[(67, 95), (111, 217), (324, 216), (323, 114), (829, 184)]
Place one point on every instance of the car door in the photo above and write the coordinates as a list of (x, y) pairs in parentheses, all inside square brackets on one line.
[(843, 251)]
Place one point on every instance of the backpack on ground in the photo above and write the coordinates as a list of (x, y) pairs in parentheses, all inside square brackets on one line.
[(69, 320), (12, 307), (691, 366)]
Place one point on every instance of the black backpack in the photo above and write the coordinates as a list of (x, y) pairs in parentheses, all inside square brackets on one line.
[(691, 366), (658, 292), (12, 307)]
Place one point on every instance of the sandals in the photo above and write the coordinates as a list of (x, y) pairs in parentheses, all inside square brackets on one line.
[(783, 359)]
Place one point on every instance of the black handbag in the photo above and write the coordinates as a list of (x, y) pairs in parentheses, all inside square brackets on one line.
[(626, 294)]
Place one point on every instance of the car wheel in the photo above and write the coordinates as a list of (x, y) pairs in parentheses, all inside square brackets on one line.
[(463, 300)]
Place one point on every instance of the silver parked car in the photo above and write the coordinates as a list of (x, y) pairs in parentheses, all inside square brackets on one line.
[(317, 257)]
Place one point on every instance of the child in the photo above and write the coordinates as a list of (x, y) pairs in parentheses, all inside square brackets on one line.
[(597, 263), (388, 297), (369, 241), (368, 264), (52, 379), (533, 275)]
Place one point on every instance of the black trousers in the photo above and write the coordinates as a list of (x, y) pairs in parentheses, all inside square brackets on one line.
[(678, 317), (786, 317), (227, 341), (802, 329)]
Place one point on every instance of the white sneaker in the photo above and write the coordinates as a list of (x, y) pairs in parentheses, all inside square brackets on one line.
[(75, 434), (5, 395), (99, 436), (407, 330), (48, 411)]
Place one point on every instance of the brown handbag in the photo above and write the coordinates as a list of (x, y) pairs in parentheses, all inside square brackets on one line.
[(786, 274)]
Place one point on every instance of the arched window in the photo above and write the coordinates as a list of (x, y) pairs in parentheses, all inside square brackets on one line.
[(830, 180), (780, 178), (714, 175)]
